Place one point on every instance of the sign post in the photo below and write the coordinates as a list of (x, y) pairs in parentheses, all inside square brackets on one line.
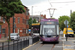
[(66, 23)]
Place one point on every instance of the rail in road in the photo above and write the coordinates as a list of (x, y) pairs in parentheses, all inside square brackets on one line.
[(45, 46), (63, 45)]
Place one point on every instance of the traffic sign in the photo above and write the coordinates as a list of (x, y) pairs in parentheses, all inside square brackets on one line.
[(66, 22)]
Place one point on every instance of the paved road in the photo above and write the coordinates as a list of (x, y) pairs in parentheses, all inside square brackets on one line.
[(63, 45), (46, 46)]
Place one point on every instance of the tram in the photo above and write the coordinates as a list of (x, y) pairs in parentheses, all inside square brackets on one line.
[(36, 29), (49, 30)]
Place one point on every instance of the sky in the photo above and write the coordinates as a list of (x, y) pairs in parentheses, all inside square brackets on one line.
[(62, 7)]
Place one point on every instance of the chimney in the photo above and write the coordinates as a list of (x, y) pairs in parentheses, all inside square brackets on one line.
[(41, 15), (44, 16)]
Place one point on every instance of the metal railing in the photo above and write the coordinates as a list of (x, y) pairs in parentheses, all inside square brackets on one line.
[(17, 45), (35, 39)]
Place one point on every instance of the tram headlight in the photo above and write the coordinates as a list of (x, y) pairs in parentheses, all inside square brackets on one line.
[(43, 36)]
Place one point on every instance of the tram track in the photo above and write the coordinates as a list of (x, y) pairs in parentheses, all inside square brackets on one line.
[(39, 47), (53, 47), (43, 45)]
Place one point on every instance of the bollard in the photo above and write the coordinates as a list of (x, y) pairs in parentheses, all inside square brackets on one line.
[(2, 45), (8, 45), (17, 44), (21, 43), (13, 44)]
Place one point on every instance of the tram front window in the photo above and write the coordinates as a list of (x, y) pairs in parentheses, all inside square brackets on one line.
[(49, 30)]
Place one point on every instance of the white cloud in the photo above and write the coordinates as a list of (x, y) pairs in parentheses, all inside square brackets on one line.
[(61, 8)]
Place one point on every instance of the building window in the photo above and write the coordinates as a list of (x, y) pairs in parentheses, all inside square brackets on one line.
[(3, 20), (27, 12), (18, 30), (26, 30), (3, 31), (0, 29), (14, 20), (0, 17), (18, 20), (26, 21)]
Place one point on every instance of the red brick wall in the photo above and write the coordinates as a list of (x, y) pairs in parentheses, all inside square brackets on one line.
[(19, 26)]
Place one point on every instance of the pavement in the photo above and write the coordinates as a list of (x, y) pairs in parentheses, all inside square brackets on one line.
[(5, 39), (69, 44)]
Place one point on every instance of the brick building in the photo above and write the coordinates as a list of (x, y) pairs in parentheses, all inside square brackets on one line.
[(20, 24)]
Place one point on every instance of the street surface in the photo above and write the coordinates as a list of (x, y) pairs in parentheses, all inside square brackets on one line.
[(19, 44), (62, 45)]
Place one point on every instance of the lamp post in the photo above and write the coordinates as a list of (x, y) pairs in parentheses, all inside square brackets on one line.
[(32, 14), (13, 24)]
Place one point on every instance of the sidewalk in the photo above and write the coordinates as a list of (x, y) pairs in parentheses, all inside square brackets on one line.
[(68, 45), (3, 39)]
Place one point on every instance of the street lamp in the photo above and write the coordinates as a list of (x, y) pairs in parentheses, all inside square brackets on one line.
[(13, 24), (32, 12)]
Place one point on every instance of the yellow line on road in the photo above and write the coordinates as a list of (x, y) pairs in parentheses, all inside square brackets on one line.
[(30, 46), (67, 45), (69, 49)]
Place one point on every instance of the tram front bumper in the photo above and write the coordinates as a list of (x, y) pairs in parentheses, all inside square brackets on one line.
[(50, 39)]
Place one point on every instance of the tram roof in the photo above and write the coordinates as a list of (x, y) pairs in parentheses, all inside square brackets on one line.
[(35, 23), (49, 19)]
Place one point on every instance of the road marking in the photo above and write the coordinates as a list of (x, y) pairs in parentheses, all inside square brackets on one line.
[(30, 46), (69, 49), (39, 46), (67, 45)]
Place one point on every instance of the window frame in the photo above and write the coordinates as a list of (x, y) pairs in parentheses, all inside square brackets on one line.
[(18, 20), (3, 31)]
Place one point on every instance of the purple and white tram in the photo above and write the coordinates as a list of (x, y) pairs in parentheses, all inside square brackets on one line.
[(49, 30)]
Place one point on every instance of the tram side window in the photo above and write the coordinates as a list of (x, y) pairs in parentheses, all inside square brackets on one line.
[(57, 29), (41, 30)]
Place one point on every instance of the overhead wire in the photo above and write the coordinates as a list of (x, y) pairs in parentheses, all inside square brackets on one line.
[(64, 2)]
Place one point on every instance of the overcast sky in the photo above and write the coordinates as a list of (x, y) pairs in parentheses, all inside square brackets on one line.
[(62, 7)]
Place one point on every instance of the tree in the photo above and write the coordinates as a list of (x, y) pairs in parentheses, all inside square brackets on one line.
[(62, 25), (34, 21), (72, 21), (30, 22), (61, 21), (8, 8)]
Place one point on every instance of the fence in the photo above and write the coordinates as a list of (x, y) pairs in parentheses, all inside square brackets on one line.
[(35, 39), (17, 45)]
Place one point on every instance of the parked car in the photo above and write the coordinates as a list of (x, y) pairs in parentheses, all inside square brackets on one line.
[(14, 36)]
